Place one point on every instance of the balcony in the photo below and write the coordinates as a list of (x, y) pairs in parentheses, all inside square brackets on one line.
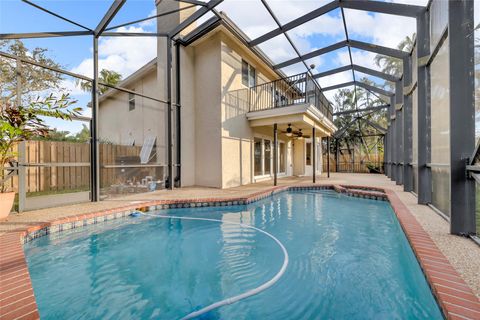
[(299, 89)]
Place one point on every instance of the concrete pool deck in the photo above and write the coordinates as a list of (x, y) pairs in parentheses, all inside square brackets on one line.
[(462, 253)]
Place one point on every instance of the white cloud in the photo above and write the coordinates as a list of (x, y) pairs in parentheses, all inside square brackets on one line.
[(293, 69), (151, 22), (361, 58), (72, 87), (288, 10), (278, 49), (334, 79), (124, 55), (382, 29)]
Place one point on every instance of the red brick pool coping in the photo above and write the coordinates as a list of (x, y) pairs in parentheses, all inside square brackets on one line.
[(17, 300)]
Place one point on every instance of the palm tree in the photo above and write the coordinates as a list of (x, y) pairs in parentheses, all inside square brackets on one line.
[(106, 76), (392, 65)]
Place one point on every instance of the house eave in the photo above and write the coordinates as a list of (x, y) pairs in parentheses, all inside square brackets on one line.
[(304, 113)]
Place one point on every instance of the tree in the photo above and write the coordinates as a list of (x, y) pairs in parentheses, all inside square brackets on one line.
[(357, 133), (83, 135), (20, 123), (106, 76), (393, 65), (57, 135), (33, 79)]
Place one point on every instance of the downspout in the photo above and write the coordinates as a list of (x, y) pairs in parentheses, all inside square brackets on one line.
[(178, 177), (169, 114)]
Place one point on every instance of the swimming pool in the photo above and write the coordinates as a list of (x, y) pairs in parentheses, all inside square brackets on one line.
[(348, 258)]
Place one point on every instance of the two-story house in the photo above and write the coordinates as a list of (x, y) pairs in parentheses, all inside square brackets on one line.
[(232, 104)]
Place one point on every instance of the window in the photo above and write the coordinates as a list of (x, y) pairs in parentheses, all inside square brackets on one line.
[(308, 153), (268, 156), (249, 77), (257, 161), (131, 101)]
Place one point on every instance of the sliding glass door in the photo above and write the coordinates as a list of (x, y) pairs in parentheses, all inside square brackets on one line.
[(263, 157)]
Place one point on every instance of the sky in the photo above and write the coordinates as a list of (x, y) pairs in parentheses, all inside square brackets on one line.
[(127, 54)]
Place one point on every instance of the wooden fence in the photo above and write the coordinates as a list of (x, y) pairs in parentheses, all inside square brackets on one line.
[(347, 163), (57, 166)]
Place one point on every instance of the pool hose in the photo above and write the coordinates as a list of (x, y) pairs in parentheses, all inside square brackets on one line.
[(246, 294)]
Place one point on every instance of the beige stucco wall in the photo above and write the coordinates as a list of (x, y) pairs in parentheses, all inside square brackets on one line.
[(299, 157), (121, 126), (188, 116), (236, 133), (168, 22), (207, 79)]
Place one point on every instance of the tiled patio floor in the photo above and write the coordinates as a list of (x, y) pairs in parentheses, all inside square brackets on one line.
[(463, 253)]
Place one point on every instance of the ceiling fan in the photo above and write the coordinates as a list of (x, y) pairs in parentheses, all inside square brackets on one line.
[(295, 134)]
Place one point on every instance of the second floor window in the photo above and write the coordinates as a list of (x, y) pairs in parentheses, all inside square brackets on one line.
[(248, 74), (131, 101)]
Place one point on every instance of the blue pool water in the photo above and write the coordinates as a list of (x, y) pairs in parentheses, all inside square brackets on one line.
[(349, 259)]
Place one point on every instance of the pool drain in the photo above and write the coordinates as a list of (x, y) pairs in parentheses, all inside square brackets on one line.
[(246, 294)]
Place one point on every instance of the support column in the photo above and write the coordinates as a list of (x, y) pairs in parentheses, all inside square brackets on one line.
[(275, 153), (22, 176), (336, 155), (94, 156), (389, 148), (353, 155), (178, 122), (314, 155), (407, 125), (399, 131), (392, 144), (423, 103), (22, 150), (462, 115), (385, 152), (328, 157)]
